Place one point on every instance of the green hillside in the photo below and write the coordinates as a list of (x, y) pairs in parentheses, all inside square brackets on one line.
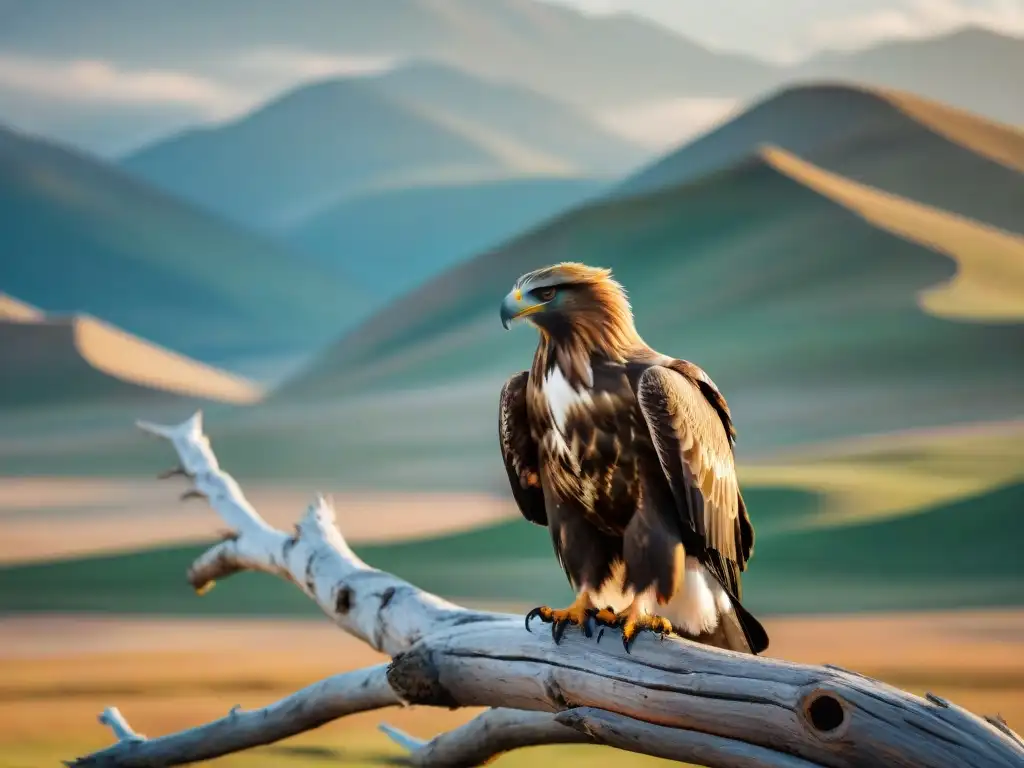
[(894, 141), (422, 124), (808, 315), (943, 557), (82, 236), (829, 340), (392, 241)]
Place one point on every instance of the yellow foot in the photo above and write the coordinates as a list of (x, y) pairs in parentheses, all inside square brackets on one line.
[(633, 623), (579, 614)]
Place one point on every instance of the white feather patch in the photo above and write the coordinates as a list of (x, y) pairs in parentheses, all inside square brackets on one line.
[(697, 606), (695, 609), (562, 397), (611, 594)]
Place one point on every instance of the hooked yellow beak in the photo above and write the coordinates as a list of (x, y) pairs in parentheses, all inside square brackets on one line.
[(517, 305)]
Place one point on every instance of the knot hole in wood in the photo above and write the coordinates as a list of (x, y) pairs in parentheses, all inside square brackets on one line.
[(826, 713)]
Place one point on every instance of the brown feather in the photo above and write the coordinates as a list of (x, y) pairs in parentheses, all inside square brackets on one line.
[(695, 450), (519, 451)]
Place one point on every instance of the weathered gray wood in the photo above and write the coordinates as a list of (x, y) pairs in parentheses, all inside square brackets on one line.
[(326, 700), (668, 698), (487, 736), (632, 735)]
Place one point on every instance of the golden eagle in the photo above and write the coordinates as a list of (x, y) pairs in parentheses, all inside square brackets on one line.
[(626, 455)]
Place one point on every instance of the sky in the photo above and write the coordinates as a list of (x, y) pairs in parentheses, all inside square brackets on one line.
[(786, 30)]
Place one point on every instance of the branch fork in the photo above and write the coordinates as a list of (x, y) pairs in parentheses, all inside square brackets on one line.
[(671, 699)]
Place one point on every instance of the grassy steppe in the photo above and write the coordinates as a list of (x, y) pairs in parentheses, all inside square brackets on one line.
[(953, 555)]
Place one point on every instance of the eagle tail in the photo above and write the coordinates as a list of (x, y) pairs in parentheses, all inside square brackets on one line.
[(708, 613), (754, 633), (735, 630)]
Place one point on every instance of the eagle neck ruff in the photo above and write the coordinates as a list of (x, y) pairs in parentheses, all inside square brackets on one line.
[(577, 350)]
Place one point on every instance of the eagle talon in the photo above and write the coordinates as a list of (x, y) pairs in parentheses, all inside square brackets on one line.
[(588, 624), (577, 614), (633, 625), (539, 611), (558, 629)]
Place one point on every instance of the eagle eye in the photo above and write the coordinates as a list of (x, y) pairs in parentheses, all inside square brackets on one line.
[(545, 294)]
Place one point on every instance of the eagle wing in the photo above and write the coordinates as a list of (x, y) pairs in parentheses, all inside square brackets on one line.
[(692, 434), (519, 451)]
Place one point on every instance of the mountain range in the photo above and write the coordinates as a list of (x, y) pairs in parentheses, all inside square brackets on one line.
[(968, 68), (583, 59), (826, 225), (243, 53), (420, 125)]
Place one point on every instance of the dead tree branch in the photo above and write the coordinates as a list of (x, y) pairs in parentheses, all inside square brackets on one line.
[(672, 699), (489, 734)]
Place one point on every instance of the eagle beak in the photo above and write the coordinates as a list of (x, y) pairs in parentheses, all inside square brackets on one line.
[(516, 305)]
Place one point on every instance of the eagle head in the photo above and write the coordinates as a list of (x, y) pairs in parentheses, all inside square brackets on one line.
[(579, 309), (566, 296)]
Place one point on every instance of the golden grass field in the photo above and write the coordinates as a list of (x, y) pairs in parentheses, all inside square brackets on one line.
[(877, 477), (165, 674)]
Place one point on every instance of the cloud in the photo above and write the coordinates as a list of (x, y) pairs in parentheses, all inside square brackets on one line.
[(292, 65), (666, 123), (93, 81), (916, 19), (110, 108)]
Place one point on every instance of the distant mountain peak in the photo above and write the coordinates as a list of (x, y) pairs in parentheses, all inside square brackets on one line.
[(424, 122)]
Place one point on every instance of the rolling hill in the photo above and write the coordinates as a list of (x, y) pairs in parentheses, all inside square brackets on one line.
[(422, 124), (822, 306), (392, 241), (82, 236), (78, 360), (904, 144)]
